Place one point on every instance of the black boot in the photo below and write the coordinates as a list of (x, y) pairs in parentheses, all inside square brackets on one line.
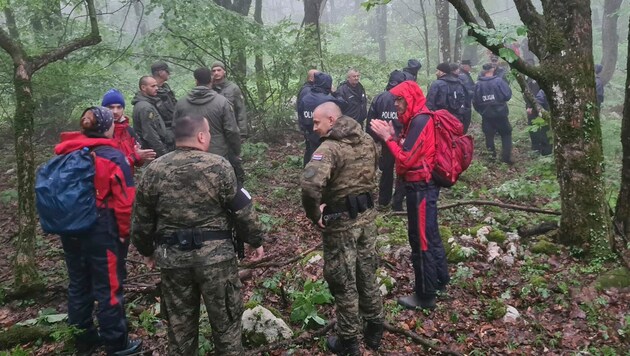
[(87, 343), (338, 346), (373, 333), (414, 302), (133, 347)]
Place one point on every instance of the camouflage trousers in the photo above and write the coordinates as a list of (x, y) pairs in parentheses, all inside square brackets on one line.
[(350, 263), (220, 288)]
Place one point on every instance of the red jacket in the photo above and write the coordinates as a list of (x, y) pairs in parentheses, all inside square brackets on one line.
[(113, 179), (415, 151), (125, 138)]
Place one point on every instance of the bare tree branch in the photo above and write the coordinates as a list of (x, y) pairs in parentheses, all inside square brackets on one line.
[(483, 14), (535, 23), (13, 48), (56, 54)]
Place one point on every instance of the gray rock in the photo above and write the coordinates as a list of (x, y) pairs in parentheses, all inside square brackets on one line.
[(261, 327), (511, 315)]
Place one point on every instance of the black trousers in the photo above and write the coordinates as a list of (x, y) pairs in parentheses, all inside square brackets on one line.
[(311, 141), (540, 140), (427, 251), (96, 275), (490, 126), (386, 164)]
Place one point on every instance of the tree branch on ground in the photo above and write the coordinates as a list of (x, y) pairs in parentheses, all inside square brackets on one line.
[(430, 346), (493, 203)]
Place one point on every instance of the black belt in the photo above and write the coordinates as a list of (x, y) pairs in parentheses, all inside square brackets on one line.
[(355, 204), (191, 236)]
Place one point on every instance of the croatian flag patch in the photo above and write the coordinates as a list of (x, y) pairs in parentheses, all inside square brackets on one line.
[(317, 157)]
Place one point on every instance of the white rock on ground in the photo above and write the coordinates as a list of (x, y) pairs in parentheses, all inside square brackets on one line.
[(493, 250), (386, 282), (314, 259), (259, 323), (511, 315), (482, 233)]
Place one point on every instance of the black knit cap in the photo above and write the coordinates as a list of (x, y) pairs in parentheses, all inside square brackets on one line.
[(444, 67)]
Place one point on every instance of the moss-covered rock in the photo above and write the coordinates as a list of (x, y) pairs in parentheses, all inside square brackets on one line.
[(545, 247), (459, 253), (18, 335), (497, 236), (615, 278), (496, 309), (502, 218), (473, 230)]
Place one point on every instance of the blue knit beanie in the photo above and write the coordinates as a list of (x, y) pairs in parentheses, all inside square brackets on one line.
[(113, 96)]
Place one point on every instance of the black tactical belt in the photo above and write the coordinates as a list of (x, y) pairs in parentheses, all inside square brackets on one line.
[(355, 204), (187, 237)]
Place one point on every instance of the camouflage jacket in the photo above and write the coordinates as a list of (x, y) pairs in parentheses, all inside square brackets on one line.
[(187, 189), (344, 164), (234, 95)]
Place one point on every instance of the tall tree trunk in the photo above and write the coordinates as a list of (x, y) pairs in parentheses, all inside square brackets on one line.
[(238, 54), (25, 66), (457, 46), (622, 210), (312, 51), (444, 34), (258, 61), (138, 11), (427, 65), (610, 39), (381, 34), (562, 38)]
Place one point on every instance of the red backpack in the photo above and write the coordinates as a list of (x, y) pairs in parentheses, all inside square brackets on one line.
[(453, 149)]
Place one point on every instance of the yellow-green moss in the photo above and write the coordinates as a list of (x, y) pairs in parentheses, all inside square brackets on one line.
[(497, 236), (545, 247), (496, 309), (538, 281)]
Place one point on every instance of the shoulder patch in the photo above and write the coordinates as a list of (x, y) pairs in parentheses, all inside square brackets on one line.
[(317, 157), (309, 172)]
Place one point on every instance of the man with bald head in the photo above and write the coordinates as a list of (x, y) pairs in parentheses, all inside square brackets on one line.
[(308, 84), (351, 90), (147, 121), (337, 186)]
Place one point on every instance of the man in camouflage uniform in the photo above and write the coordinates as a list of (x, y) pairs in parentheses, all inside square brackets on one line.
[(147, 121), (340, 178), (186, 204), (203, 101)]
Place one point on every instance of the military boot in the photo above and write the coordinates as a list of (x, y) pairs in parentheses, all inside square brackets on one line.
[(338, 346), (87, 343), (373, 333), (414, 302)]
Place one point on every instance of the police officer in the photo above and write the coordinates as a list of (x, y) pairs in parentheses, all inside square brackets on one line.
[(319, 93), (599, 86), (166, 106), (187, 203), (351, 91), (308, 84), (203, 101), (491, 96), (232, 93), (447, 92), (147, 120), (341, 176), (469, 84), (383, 108)]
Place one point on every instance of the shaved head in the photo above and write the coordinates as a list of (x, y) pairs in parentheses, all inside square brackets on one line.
[(310, 76), (324, 117)]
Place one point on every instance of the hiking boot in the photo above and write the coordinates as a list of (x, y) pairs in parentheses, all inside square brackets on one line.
[(133, 347), (372, 335), (414, 302), (340, 346), (87, 343)]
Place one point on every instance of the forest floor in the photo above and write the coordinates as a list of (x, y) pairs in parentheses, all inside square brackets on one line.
[(562, 308)]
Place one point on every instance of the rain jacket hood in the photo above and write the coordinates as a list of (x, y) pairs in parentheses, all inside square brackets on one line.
[(201, 95), (346, 130), (323, 83), (413, 95), (75, 140)]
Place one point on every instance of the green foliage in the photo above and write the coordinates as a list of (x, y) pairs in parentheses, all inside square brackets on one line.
[(8, 196), (304, 307), (148, 320), (253, 151), (395, 228), (16, 351)]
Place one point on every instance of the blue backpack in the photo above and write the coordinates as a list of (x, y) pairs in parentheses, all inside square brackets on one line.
[(65, 194)]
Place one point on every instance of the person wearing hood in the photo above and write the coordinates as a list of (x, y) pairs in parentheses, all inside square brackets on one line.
[(308, 84), (599, 86), (383, 108), (352, 92), (491, 96), (232, 93), (90, 256), (412, 69), (414, 151), (448, 93), (147, 120), (125, 135), (337, 187), (203, 101), (319, 93)]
